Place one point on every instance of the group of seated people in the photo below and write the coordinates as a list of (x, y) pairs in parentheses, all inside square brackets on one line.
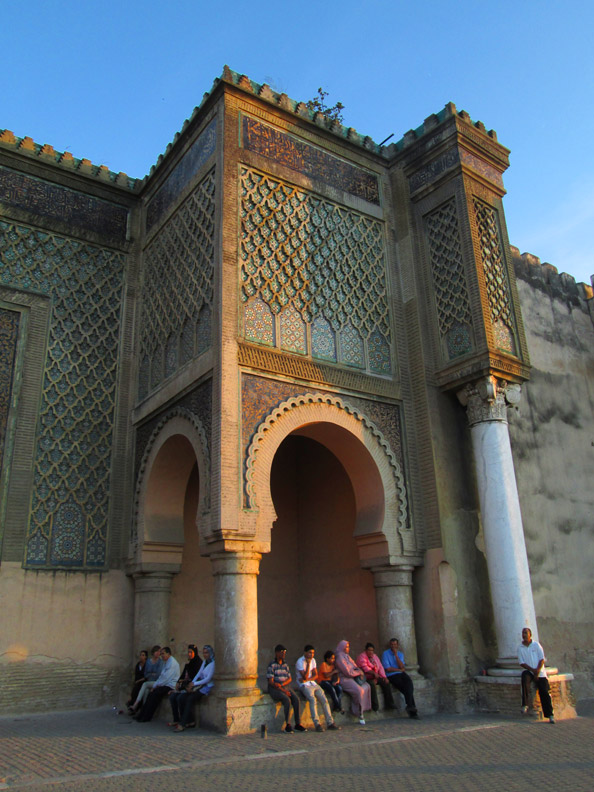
[(158, 677), (339, 672)]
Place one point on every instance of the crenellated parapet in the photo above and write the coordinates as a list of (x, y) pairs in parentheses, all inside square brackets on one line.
[(547, 278), (47, 154)]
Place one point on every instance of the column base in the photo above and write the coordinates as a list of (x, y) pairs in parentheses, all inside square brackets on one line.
[(508, 667)]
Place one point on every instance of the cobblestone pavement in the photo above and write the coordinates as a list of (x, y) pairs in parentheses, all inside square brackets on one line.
[(101, 751)]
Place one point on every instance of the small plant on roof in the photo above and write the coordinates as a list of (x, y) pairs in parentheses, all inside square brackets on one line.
[(318, 105)]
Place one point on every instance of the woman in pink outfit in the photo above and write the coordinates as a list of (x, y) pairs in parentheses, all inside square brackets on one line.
[(353, 681)]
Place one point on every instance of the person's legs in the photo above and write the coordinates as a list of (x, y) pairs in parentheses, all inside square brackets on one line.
[(527, 678), (176, 700), (404, 684), (388, 695), (319, 694), (280, 695), (544, 692), (296, 707), (150, 705), (374, 700), (308, 693), (190, 702), (330, 689)]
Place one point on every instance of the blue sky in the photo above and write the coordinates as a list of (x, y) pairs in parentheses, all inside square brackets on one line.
[(113, 82)]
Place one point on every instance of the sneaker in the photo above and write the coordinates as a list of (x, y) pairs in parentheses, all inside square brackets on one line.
[(319, 727), (552, 719), (289, 728), (299, 727), (334, 727), (361, 721), (525, 709)]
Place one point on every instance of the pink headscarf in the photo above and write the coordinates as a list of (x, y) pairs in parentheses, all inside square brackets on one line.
[(345, 663)]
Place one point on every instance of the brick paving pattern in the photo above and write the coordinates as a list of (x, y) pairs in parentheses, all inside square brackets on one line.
[(99, 751)]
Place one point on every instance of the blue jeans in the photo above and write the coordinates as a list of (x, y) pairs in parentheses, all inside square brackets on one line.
[(335, 692)]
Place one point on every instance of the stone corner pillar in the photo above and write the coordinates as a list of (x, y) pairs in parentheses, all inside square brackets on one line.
[(152, 594), (486, 404), (393, 593), (235, 574)]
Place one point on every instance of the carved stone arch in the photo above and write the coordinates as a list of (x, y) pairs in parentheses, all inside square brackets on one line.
[(181, 427), (382, 522)]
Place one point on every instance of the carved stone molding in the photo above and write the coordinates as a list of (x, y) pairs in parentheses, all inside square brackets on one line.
[(488, 399)]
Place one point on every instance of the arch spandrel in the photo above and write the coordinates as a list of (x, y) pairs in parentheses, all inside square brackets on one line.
[(383, 528), (175, 447)]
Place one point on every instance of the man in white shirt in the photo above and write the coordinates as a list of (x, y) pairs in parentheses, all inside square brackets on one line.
[(532, 659), (307, 674), (163, 686)]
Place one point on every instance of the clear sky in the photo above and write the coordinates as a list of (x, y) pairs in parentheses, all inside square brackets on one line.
[(113, 82)]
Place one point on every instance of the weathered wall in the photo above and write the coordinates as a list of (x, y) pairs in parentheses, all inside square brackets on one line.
[(552, 437), (66, 638)]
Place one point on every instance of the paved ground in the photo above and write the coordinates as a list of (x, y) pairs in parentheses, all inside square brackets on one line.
[(102, 751)]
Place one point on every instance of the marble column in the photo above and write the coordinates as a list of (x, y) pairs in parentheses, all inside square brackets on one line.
[(393, 596), (236, 620), (152, 593), (507, 561)]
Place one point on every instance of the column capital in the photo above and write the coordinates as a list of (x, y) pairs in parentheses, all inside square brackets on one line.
[(487, 399), (237, 562), (400, 575)]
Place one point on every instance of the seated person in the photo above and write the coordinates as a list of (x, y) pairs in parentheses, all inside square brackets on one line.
[(306, 677), (152, 669), (164, 685), (279, 678), (352, 679), (375, 675), (197, 688), (393, 662), (328, 680), (190, 670), (138, 677)]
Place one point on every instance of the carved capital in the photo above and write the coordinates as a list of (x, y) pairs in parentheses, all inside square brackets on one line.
[(487, 399)]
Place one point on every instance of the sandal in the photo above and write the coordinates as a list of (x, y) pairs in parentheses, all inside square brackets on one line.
[(173, 723), (179, 728)]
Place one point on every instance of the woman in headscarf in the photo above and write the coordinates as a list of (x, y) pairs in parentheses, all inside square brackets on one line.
[(196, 690), (352, 679), (191, 668)]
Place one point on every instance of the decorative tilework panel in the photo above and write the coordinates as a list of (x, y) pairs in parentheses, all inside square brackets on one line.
[(71, 478), (180, 177), (9, 333), (449, 280), (351, 347), (379, 353), (258, 322), (496, 279), (178, 283), (325, 261), (292, 330), (323, 340), (53, 201), (309, 160)]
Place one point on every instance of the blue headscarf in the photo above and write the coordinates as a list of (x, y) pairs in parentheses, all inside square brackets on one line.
[(211, 650)]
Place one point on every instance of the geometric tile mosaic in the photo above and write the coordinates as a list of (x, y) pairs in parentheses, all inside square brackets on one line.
[(303, 256), (177, 289), (449, 281), (495, 275), (71, 477)]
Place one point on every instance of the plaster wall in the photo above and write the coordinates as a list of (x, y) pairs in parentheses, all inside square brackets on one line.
[(66, 638), (311, 587), (191, 615), (552, 436)]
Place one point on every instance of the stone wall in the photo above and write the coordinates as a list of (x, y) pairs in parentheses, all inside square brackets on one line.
[(552, 436)]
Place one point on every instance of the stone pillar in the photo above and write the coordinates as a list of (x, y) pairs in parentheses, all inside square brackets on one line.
[(236, 620), (507, 560), (393, 595), (151, 608)]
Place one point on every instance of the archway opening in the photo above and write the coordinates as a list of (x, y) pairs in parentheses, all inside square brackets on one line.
[(312, 587)]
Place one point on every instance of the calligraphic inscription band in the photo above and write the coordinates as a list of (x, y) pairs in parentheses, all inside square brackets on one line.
[(308, 160)]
